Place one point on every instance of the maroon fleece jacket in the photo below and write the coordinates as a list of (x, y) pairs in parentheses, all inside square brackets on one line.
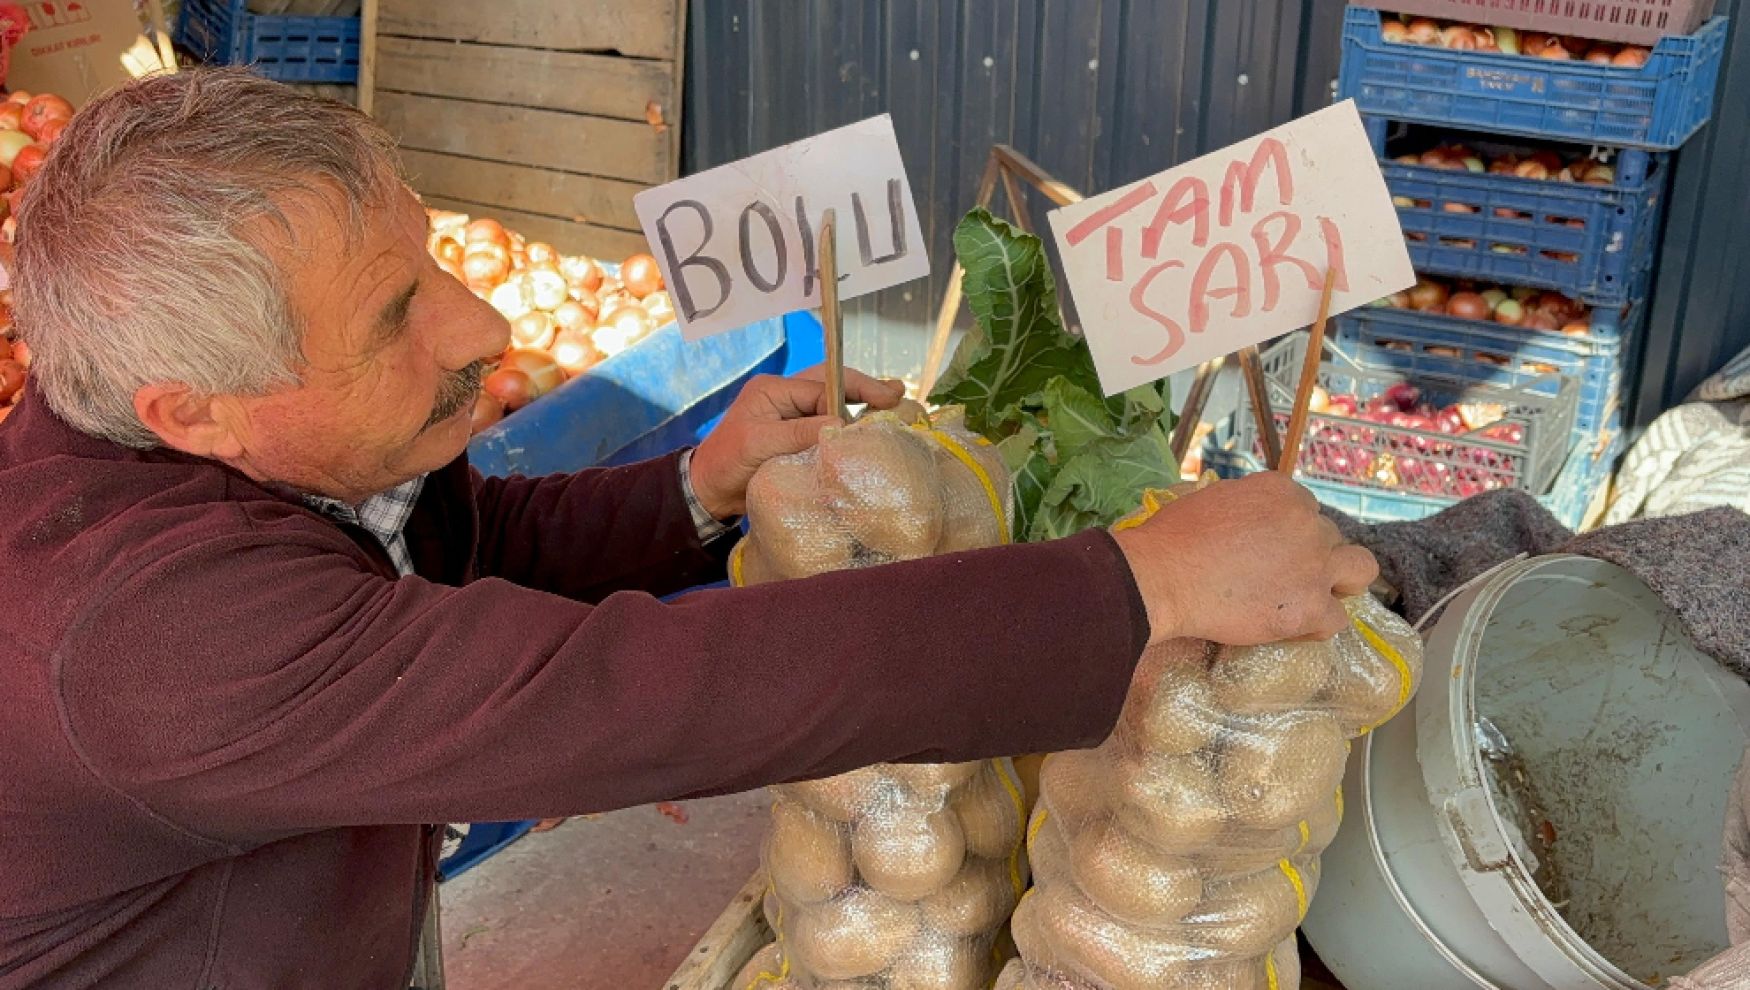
[(225, 720)]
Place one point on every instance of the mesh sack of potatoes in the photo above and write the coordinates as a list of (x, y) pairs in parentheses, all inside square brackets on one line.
[(900, 875), (1183, 851)]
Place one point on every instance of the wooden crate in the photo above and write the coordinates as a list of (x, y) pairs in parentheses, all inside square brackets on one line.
[(548, 116), (741, 930)]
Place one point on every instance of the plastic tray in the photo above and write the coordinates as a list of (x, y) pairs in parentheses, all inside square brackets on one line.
[(1427, 344), (1354, 451), (1658, 106), (1585, 241), (283, 47)]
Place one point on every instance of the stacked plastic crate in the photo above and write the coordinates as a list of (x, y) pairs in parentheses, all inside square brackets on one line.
[(1530, 170)]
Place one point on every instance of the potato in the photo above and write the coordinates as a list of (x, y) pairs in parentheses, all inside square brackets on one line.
[(808, 856), (941, 962), (787, 515), (969, 519), (879, 476), (1174, 803), (910, 411), (754, 565), (989, 813), (1247, 916), (765, 966), (856, 935), (932, 780), (1048, 851), (1277, 677), (845, 797), (1130, 880), (1285, 961), (772, 909), (1013, 976), (1250, 850), (1075, 786), (1058, 929), (977, 901), (909, 856), (1171, 709), (1367, 687), (1276, 770)]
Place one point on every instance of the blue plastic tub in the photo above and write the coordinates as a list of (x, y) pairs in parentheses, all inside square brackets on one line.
[(647, 400), (287, 48), (1589, 242), (1658, 106), (1443, 346)]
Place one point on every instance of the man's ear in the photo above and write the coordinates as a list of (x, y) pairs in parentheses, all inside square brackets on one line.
[(182, 420)]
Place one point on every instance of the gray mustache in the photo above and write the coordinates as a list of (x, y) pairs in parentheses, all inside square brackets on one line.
[(458, 391)]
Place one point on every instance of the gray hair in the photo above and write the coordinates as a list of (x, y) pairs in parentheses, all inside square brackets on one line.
[(140, 255)]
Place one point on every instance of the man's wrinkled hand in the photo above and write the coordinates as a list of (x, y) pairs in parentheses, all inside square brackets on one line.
[(1245, 562), (773, 416)]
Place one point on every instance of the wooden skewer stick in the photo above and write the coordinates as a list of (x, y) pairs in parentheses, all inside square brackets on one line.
[(1191, 413), (1309, 379), (831, 321), (1258, 389)]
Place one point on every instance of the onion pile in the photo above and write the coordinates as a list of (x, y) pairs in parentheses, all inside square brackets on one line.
[(1399, 440), (1506, 41), (14, 359), (567, 313), (1518, 306), (29, 124), (1543, 163)]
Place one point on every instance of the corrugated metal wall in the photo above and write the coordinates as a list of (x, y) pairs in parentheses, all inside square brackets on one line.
[(1102, 92)]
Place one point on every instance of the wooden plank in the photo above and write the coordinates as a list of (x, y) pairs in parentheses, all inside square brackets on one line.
[(570, 237), (670, 110), (588, 198), (600, 85), (368, 64), (729, 943), (643, 29), (616, 149)]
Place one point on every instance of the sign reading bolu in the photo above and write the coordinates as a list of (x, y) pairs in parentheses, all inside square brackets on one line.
[(736, 243), (1231, 249)]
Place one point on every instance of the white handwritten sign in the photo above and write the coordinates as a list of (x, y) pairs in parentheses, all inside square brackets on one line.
[(1231, 249), (737, 243)]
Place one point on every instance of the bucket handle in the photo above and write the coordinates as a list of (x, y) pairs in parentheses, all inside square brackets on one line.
[(1447, 598)]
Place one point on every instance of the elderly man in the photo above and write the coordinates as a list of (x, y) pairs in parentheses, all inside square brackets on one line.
[(262, 620)]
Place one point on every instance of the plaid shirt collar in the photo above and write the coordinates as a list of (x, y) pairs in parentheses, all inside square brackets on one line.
[(383, 515)]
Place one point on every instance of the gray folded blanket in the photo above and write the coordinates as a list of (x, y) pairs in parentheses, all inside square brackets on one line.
[(1698, 564)]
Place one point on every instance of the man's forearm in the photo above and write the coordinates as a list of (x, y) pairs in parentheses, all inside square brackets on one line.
[(588, 534)]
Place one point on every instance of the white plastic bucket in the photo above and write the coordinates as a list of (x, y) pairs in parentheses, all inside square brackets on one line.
[(1628, 737)]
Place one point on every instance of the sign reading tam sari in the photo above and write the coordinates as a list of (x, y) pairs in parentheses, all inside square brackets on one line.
[(1231, 249)]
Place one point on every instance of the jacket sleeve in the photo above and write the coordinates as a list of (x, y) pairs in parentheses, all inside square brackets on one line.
[(600, 530), (263, 683)]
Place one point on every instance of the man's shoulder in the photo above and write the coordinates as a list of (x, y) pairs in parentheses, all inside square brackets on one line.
[(75, 528)]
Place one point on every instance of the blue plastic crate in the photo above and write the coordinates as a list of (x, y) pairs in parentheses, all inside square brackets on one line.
[(1585, 241), (1585, 471), (1412, 343), (287, 48), (1658, 106)]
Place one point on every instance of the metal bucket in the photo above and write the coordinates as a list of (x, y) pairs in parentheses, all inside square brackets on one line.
[(1583, 743)]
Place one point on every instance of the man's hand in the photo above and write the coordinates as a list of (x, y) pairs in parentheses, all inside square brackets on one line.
[(1245, 562), (771, 417)]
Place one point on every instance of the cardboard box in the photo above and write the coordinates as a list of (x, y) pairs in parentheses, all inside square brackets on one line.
[(74, 47)]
